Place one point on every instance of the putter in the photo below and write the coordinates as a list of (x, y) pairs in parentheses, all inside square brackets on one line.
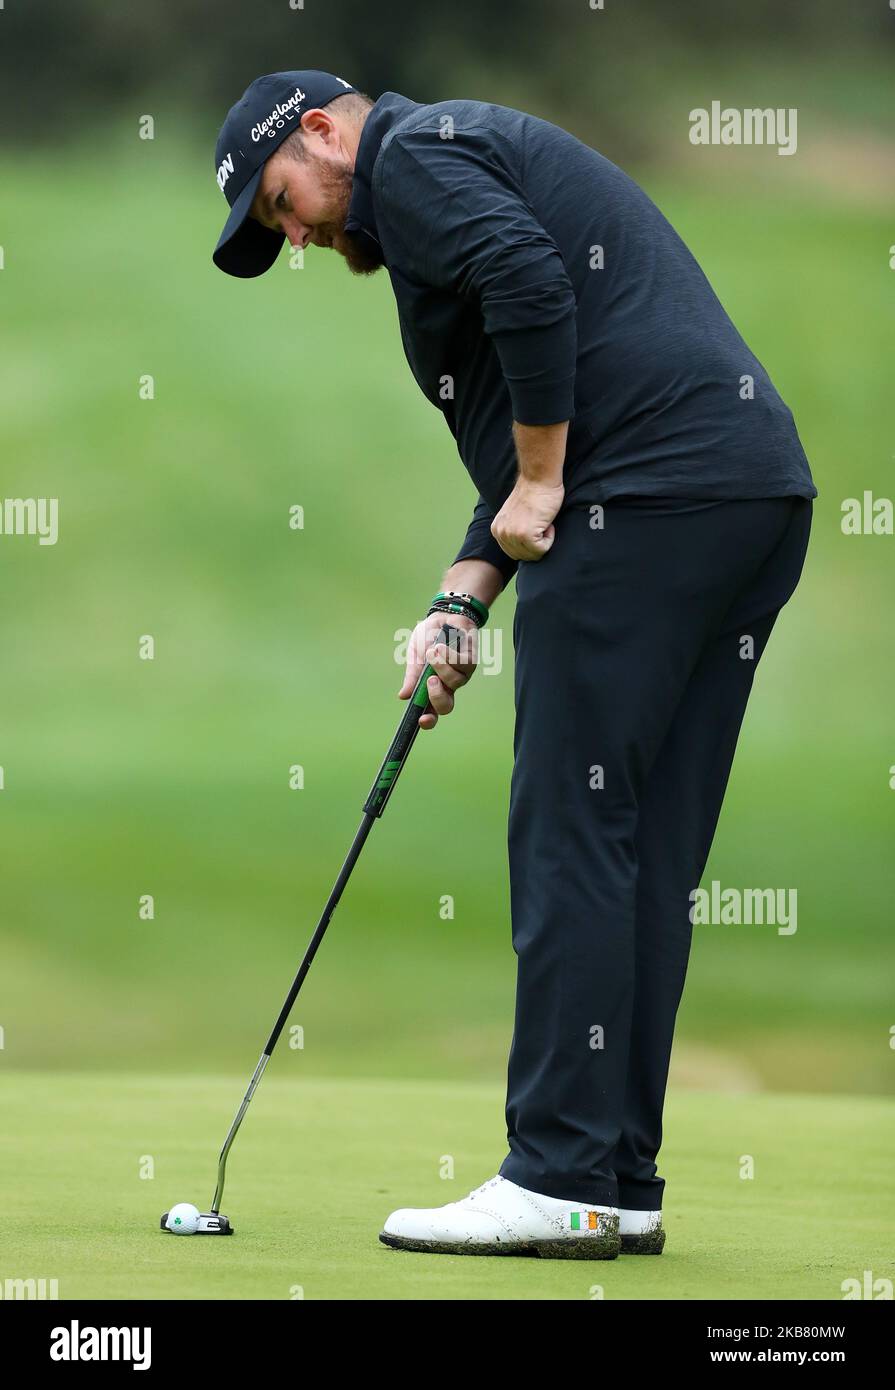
[(212, 1223)]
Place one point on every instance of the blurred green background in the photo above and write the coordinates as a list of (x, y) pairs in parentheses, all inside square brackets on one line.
[(276, 647)]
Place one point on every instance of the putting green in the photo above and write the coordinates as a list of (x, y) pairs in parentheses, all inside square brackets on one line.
[(320, 1163)]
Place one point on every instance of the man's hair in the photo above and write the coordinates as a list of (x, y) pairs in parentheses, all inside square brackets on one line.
[(353, 106)]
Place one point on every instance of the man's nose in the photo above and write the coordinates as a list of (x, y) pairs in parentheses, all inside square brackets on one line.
[(295, 232)]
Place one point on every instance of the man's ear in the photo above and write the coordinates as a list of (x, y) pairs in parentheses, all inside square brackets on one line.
[(320, 123)]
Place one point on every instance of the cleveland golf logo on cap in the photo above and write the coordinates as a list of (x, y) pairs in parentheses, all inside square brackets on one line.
[(274, 122)]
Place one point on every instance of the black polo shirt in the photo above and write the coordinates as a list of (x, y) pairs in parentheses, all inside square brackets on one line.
[(535, 281)]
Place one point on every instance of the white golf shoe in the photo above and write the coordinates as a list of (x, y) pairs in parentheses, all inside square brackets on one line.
[(641, 1232), (500, 1218)]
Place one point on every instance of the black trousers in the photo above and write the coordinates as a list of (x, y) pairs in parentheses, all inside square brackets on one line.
[(636, 646)]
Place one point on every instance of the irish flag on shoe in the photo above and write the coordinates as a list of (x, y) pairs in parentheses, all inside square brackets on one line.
[(584, 1220)]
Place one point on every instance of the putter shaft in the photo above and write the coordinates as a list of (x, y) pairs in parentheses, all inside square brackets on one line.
[(366, 826), (374, 806)]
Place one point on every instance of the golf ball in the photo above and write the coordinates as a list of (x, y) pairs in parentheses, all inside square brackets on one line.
[(183, 1219)]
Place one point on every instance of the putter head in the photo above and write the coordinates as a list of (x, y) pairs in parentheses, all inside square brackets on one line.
[(211, 1223)]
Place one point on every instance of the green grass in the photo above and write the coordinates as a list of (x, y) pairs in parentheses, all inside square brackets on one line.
[(319, 1164), (276, 647)]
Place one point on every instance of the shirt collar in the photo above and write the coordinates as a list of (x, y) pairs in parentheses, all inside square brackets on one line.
[(387, 111)]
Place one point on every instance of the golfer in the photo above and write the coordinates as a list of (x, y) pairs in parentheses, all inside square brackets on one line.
[(640, 476)]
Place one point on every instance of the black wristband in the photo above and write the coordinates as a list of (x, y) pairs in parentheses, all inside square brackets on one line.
[(463, 610)]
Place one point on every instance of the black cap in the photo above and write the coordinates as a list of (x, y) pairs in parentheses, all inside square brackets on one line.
[(269, 110)]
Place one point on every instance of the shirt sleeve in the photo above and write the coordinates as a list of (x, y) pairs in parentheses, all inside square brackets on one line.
[(479, 543), (463, 224)]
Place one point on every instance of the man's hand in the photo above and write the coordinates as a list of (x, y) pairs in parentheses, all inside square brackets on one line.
[(523, 527), (449, 674)]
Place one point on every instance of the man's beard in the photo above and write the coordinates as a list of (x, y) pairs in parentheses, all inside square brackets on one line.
[(361, 253)]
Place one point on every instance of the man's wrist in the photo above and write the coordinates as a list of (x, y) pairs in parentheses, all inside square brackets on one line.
[(526, 484), (477, 577)]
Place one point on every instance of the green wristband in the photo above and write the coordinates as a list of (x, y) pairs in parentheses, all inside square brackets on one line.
[(464, 601)]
